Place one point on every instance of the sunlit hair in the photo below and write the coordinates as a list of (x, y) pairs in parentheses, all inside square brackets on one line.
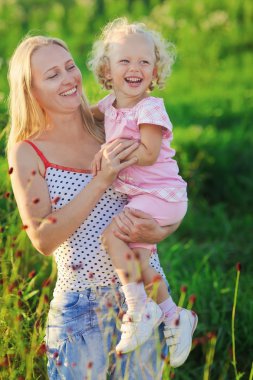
[(27, 118), (100, 56)]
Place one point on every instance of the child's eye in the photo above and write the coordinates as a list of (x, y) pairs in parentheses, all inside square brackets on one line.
[(125, 61), (144, 62)]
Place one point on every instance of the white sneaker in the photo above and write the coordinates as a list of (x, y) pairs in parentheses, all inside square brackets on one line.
[(137, 327), (178, 336)]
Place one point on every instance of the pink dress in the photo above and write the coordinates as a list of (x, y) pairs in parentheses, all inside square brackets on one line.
[(157, 189)]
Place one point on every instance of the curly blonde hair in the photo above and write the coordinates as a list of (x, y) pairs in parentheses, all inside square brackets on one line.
[(99, 57)]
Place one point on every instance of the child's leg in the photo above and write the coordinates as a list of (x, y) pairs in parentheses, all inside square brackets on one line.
[(159, 291), (127, 267)]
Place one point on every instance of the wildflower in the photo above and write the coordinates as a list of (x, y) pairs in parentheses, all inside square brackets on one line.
[(210, 335), (35, 200), (119, 354), (163, 357), (7, 194), (56, 200), (19, 317), (10, 171), (157, 278), (172, 375), (33, 172), (238, 267), (59, 363), (90, 365), (55, 355), (21, 378), (52, 219), (42, 349), (183, 289), (32, 274), (177, 321), (20, 304), (192, 299), (137, 256), (46, 282), (18, 253), (128, 256), (46, 298), (109, 304), (1, 229), (38, 324), (24, 227)]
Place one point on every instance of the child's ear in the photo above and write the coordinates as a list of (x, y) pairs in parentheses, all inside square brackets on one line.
[(108, 75)]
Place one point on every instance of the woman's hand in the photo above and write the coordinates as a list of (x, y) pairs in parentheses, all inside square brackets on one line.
[(114, 159), (136, 226)]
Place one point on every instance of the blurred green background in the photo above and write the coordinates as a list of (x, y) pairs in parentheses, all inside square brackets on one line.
[(209, 98)]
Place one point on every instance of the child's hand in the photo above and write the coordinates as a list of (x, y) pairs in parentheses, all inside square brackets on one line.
[(96, 163)]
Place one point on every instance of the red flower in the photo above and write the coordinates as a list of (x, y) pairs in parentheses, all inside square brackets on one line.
[(32, 274), (55, 355), (56, 200), (52, 219), (1, 229), (90, 365), (10, 170), (7, 194), (192, 299), (46, 299), (18, 253), (157, 278), (46, 282), (24, 227), (238, 267), (33, 172), (20, 304), (183, 289), (35, 200)]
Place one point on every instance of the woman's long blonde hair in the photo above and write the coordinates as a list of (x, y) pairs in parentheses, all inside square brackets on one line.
[(26, 116)]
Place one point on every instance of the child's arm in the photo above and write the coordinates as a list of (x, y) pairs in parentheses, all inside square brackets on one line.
[(150, 144), (97, 114)]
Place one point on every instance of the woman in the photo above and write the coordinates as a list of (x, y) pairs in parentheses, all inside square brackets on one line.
[(52, 142)]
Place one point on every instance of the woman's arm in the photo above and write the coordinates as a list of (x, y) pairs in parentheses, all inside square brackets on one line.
[(137, 226), (47, 229)]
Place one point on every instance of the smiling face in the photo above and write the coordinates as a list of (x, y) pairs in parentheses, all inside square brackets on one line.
[(56, 80), (132, 66)]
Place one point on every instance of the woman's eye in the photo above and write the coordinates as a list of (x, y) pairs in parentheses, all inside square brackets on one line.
[(52, 76), (71, 67)]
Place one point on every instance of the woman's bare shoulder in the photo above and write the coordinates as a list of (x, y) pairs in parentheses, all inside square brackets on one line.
[(22, 156)]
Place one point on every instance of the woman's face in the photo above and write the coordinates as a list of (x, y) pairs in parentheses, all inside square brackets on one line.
[(56, 80)]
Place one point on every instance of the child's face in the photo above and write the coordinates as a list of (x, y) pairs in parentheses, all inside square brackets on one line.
[(132, 65)]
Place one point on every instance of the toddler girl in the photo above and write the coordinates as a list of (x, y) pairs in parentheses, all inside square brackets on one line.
[(131, 60)]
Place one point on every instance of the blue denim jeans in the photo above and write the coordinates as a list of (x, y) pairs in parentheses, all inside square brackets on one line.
[(81, 335)]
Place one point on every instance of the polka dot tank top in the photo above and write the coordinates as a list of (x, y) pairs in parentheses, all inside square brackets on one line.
[(81, 260)]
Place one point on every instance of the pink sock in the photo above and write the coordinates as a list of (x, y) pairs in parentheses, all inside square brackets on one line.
[(169, 309), (135, 296)]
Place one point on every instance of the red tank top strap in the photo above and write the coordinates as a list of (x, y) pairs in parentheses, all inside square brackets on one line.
[(40, 154)]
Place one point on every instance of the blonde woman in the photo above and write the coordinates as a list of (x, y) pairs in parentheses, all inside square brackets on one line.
[(51, 145)]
